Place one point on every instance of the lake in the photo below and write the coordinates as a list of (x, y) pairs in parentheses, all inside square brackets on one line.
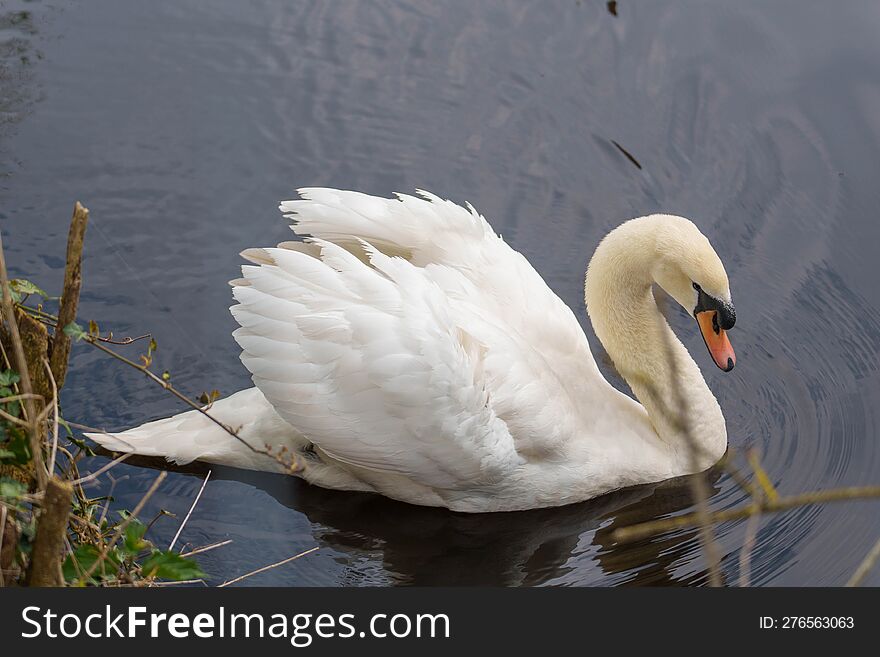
[(181, 125)]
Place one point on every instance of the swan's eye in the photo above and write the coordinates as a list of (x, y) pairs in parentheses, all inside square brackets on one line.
[(697, 287)]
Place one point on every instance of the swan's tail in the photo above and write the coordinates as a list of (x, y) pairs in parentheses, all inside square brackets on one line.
[(191, 436)]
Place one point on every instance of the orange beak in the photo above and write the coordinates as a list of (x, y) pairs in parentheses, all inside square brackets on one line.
[(716, 339)]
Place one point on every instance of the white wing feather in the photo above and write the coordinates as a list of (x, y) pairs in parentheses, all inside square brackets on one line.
[(368, 364), (537, 367)]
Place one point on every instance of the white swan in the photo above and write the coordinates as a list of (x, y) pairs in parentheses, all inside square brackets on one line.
[(405, 348)]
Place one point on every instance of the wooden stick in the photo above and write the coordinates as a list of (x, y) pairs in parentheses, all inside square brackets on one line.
[(206, 548), (45, 567), (265, 568), (70, 293), (89, 477), (865, 567), (189, 513)]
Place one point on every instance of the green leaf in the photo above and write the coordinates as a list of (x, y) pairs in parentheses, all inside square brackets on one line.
[(25, 287), (209, 397), (134, 538), (75, 331), (11, 488), (16, 446), (13, 408), (9, 378), (86, 555), (28, 535), (170, 565)]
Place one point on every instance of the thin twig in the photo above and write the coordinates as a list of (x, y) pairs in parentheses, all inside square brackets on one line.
[(13, 398), (761, 475), (51, 321), (122, 525), (766, 491), (745, 553), (98, 473), (124, 341), (866, 565), (106, 508), (85, 523), (177, 583), (645, 529), (167, 386), (265, 568), (698, 484), (162, 514), (206, 548), (738, 478), (189, 513), (54, 453), (73, 559), (15, 420), (42, 415), (86, 427)]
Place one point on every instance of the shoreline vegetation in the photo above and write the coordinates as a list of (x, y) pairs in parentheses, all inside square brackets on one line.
[(52, 533)]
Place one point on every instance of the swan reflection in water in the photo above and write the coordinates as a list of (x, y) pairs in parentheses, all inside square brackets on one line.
[(435, 547), (426, 546)]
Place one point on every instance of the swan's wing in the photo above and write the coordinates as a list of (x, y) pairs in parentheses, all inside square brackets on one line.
[(450, 241), (422, 230), (362, 355)]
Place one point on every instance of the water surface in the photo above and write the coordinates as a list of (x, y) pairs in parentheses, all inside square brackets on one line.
[(182, 124)]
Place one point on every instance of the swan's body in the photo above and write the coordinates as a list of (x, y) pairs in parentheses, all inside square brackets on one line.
[(406, 349)]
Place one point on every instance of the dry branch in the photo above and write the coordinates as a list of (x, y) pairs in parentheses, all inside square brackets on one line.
[(45, 567), (646, 529), (70, 292), (189, 513), (291, 465), (865, 567), (265, 568)]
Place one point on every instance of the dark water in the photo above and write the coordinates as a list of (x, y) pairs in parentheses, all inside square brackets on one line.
[(182, 124)]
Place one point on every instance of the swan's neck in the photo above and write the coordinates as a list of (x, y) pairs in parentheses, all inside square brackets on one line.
[(656, 365)]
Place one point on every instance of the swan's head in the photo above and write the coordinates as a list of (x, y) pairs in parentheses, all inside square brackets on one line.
[(689, 270)]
